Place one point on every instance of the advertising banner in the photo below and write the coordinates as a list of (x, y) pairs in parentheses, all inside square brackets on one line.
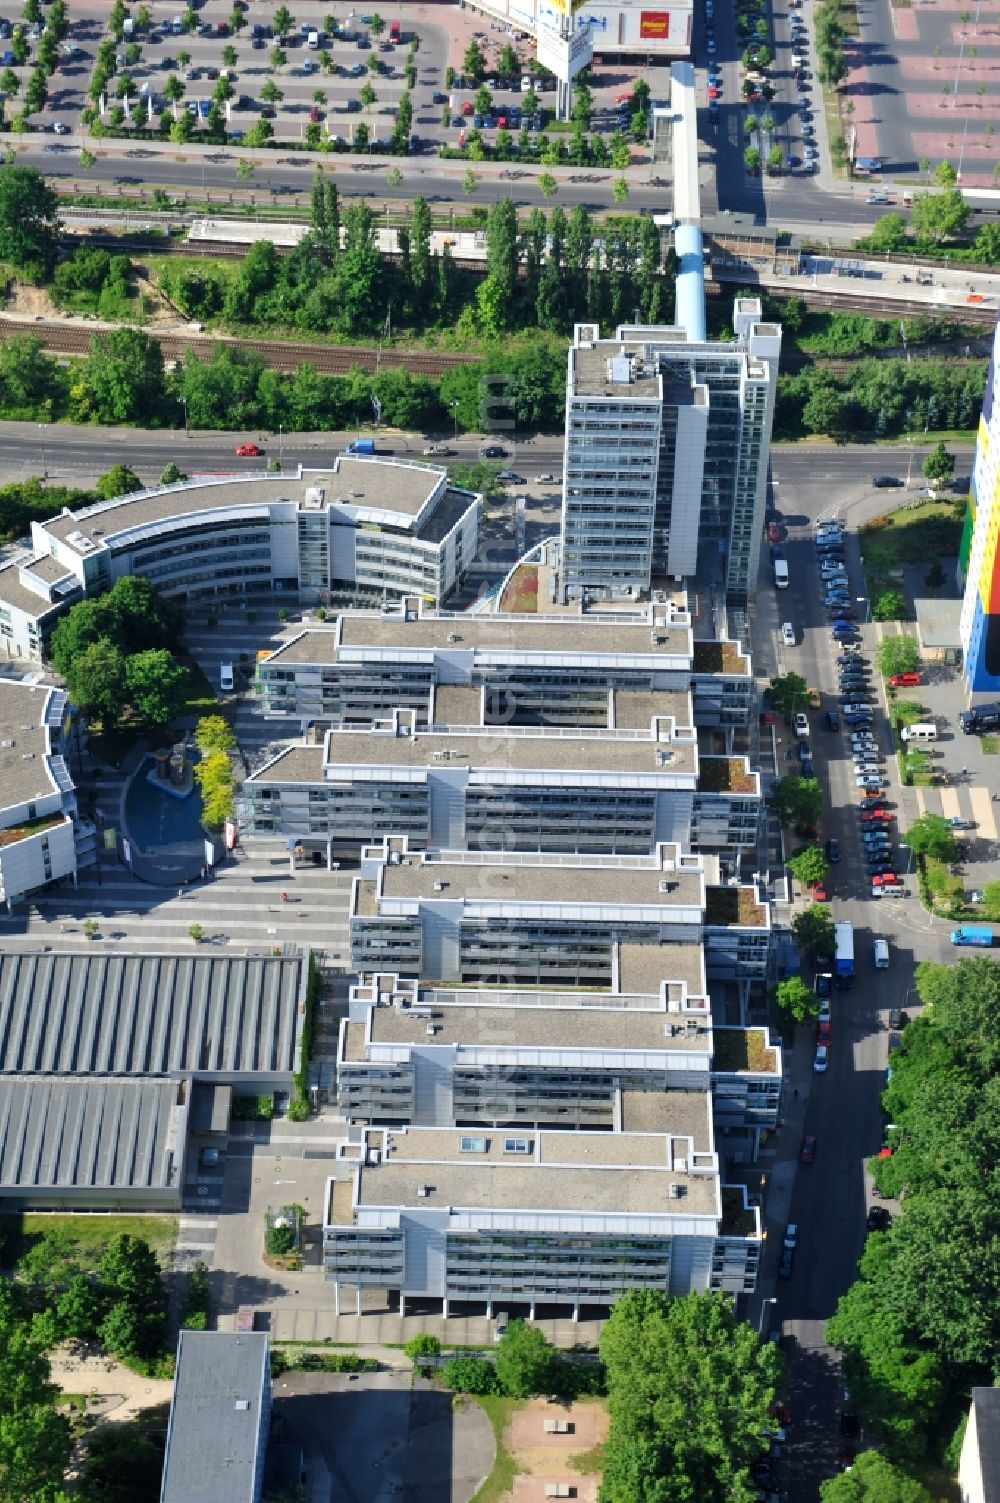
[(564, 56), (654, 25)]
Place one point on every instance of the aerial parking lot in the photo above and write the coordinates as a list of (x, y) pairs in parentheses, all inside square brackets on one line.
[(313, 75)]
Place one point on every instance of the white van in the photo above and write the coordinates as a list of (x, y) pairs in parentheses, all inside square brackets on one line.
[(226, 678), (881, 950), (923, 731)]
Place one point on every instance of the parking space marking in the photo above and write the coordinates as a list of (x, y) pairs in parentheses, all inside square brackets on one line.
[(982, 813), (949, 803)]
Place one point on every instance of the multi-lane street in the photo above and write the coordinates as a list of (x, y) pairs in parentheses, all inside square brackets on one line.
[(806, 475)]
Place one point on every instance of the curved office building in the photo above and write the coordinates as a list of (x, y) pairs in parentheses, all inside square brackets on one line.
[(362, 531)]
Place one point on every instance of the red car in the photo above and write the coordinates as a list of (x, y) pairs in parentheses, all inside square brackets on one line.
[(819, 893), (807, 1153), (876, 816), (903, 680), (467, 107), (248, 451), (823, 1033), (501, 122), (773, 532), (713, 92), (887, 879), (623, 99)]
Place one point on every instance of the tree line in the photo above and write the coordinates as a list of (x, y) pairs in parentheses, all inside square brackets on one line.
[(921, 1326), (880, 399)]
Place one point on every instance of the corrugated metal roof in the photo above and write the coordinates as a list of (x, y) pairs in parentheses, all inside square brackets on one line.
[(87, 1014), (222, 1392), (90, 1134)]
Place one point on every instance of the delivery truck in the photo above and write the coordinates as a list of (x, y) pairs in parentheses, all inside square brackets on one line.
[(843, 964), (979, 936), (361, 446), (780, 574)]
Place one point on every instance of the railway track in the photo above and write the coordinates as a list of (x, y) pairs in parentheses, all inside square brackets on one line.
[(282, 355)]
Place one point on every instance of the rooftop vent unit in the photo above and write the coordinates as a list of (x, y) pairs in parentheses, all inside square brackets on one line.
[(440, 886), (681, 1166), (675, 1191), (424, 1190), (454, 636), (666, 885), (242, 1405)]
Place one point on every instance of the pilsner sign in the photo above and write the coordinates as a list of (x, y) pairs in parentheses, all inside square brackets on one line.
[(654, 25)]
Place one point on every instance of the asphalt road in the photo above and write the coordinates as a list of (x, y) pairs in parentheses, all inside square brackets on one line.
[(841, 1108)]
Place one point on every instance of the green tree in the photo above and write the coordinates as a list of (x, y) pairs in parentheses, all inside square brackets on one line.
[(897, 655), (469, 1375), (797, 999), (421, 1346), (547, 184), (121, 1331), (825, 412), (808, 866), (174, 89), (688, 1393), (474, 63), (172, 475), (619, 190), (214, 733), (813, 930), (215, 784), (524, 1360), (157, 685), (797, 801), (29, 220), (34, 1436), (96, 680), (277, 57), (889, 605), (888, 233), (78, 1309), (123, 1464), (367, 95), (245, 169), (775, 159), (939, 216), (283, 22), (788, 693), (945, 175), (931, 835), (751, 160), (873, 1478), (482, 100), (118, 481), (939, 465), (507, 62), (9, 82)]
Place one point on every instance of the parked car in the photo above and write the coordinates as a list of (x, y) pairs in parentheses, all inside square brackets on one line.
[(899, 680), (820, 1059), (787, 634), (833, 850), (800, 723), (832, 720), (807, 1153), (249, 451), (493, 451), (886, 482), (823, 984), (787, 1263)]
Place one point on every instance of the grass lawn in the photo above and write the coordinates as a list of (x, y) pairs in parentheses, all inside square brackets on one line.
[(501, 1478), (990, 745), (910, 535), (89, 1234), (201, 697)]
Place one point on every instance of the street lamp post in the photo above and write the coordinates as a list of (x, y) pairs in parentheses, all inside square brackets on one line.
[(41, 445), (280, 432), (187, 431), (772, 1300), (909, 859), (454, 413), (863, 600)]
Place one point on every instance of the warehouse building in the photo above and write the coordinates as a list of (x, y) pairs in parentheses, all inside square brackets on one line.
[(93, 1142)]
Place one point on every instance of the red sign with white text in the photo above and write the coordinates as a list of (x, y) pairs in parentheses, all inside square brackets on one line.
[(654, 25)]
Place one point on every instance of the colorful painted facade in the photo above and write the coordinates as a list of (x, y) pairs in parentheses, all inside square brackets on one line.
[(979, 556)]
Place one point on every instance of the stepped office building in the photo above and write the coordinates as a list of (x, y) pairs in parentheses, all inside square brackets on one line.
[(542, 1146), (979, 558), (362, 530), (667, 442)]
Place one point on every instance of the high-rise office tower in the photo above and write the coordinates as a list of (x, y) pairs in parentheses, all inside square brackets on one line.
[(667, 443), (668, 433), (980, 550)]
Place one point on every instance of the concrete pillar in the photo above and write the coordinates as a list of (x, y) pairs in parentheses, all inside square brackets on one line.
[(576, 1312), (329, 853), (402, 1304), (489, 1309), (358, 1308), (336, 1296), (531, 1311), (444, 1307)]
